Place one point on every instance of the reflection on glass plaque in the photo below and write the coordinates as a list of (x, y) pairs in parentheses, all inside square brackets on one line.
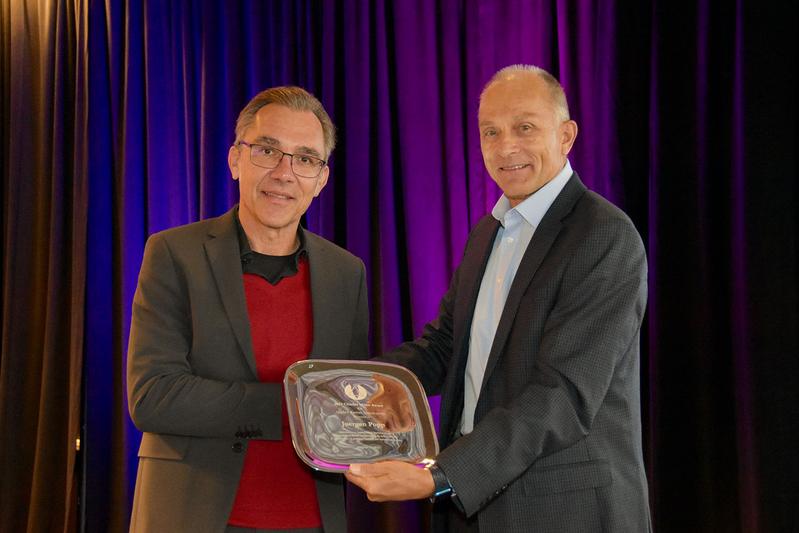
[(343, 412)]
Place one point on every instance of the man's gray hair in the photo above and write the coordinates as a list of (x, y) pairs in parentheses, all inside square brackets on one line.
[(557, 92), (295, 98)]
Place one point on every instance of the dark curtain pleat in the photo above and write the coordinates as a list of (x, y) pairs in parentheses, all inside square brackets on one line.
[(44, 262), (687, 118), (699, 163), (766, 288), (694, 330)]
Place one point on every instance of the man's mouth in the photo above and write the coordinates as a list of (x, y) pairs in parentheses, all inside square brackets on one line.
[(510, 168), (276, 195)]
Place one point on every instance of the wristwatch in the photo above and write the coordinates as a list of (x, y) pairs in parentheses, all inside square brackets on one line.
[(442, 487)]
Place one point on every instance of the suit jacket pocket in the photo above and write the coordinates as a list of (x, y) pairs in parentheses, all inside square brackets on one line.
[(566, 477), (156, 446)]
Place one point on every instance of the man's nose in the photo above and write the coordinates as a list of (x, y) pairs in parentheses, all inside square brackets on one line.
[(507, 145), (283, 169)]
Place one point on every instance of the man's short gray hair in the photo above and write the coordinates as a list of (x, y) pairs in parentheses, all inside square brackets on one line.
[(557, 92), (295, 98)]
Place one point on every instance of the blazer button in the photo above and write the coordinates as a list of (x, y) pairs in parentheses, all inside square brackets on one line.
[(237, 447)]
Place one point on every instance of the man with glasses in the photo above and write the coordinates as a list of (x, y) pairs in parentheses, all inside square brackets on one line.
[(222, 308)]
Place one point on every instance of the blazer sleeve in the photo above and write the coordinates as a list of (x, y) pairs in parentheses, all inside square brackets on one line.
[(164, 394), (594, 323)]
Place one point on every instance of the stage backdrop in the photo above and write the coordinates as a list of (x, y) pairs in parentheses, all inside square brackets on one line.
[(117, 117)]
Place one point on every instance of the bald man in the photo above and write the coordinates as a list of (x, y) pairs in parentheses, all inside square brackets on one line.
[(535, 351)]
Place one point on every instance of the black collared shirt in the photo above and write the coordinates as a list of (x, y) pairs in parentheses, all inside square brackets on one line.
[(272, 268)]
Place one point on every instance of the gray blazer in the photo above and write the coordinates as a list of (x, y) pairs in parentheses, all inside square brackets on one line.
[(192, 379), (557, 440)]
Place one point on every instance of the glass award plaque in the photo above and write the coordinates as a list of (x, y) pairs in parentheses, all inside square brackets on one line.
[(343, 412)]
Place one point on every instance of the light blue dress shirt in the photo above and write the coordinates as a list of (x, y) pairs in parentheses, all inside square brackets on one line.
[(517, 226)]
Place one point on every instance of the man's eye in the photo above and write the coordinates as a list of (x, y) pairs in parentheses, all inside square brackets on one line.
[(489, 133), (305, 160), (526, 127), (267, 151)]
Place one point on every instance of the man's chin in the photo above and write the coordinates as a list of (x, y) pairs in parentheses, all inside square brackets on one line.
[(519, 194), (276, 223)]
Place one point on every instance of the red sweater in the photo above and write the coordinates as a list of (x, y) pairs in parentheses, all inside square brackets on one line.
[(276, 490)]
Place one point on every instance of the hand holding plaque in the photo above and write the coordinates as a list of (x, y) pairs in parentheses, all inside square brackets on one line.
[(344, 412)]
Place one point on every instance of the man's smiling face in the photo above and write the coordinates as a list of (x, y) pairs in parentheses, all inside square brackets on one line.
[(523, 138), (276, 198)]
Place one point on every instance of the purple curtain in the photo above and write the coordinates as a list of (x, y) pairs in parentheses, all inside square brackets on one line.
[(687, 121)]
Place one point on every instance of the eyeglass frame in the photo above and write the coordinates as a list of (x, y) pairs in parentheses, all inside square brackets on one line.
[(284, 154)]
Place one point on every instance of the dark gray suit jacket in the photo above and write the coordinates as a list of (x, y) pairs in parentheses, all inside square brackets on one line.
[(192, 379), (557, 440)]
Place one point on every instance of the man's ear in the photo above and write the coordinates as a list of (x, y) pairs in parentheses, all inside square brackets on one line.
[(322, 181), (568, 133), (233, 161)]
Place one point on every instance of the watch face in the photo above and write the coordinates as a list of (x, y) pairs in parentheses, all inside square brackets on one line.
[(343, 412)]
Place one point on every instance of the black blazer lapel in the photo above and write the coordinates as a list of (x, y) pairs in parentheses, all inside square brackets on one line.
[(325, 285), (470, 273), (223, 254), (538, 248)]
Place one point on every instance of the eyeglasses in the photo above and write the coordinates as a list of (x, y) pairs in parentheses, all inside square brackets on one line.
[(304, 166)]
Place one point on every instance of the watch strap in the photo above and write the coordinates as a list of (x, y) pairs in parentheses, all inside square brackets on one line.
[(442, 486)]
